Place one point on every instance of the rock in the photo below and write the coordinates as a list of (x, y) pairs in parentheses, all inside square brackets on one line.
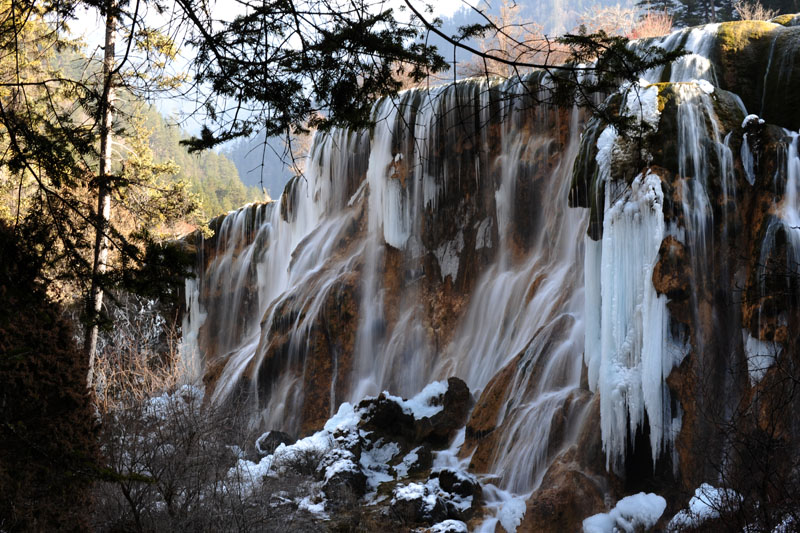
[(343, 480), (414, 462), (266, 443), (345, 488), (671, 273), (415, 503), (570, 496), (457, 403), (482, 422), (464, 489), (458, 483), (390, 421), (386, 419), (767, 54)]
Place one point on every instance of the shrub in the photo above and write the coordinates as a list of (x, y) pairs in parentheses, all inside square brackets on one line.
[(652, 24), (753, 11)]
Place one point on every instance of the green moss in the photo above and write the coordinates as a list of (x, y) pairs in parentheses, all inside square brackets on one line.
[(783, 20), (735, 36), (666, 94)]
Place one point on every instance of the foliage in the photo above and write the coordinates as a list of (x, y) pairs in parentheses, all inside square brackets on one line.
[(652, 24), (171, 467), (285, 66)]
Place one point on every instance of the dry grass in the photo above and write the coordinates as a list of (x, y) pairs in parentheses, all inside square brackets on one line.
[(139, 358), (652, 24), (753, 11)]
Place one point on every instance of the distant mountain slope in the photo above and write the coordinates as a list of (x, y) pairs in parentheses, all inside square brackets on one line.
[(212, 176)]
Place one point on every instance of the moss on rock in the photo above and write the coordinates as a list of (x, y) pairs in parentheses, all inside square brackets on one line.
[(755, 60)]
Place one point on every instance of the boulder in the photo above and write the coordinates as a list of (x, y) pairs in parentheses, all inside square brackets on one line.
[(440, 428), (414, 503), (344, 487), (266, 443)]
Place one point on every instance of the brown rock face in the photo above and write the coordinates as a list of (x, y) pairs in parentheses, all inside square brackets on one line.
[(671, 273), (575, 486), (483, 420), (330, 353)]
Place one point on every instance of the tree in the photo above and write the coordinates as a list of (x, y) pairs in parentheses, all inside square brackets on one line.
[(68, 154), (285, 67), (106, 116)]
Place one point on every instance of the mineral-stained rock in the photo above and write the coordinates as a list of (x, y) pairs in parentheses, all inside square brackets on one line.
[(672, 277), (562, 506)]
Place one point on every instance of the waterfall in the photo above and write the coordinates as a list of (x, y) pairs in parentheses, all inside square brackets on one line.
[(440, 243), (527, 300)]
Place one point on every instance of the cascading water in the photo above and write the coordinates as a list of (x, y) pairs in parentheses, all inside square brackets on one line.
[(524, 304), (439, 244)]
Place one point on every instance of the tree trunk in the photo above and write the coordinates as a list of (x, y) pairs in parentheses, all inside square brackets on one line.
[(100, 264)]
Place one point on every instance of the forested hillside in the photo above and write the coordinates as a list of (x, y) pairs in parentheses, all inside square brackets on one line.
[(210, 175)]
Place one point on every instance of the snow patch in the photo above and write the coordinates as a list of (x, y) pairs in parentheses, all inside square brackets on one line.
[(706, 504), (605, 148), (408, 461), (705, 86), (448, 256), (317, 509), (632, 513), (641, 102), (511, 514), (421, 406), (449, 526), (750, 119)]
